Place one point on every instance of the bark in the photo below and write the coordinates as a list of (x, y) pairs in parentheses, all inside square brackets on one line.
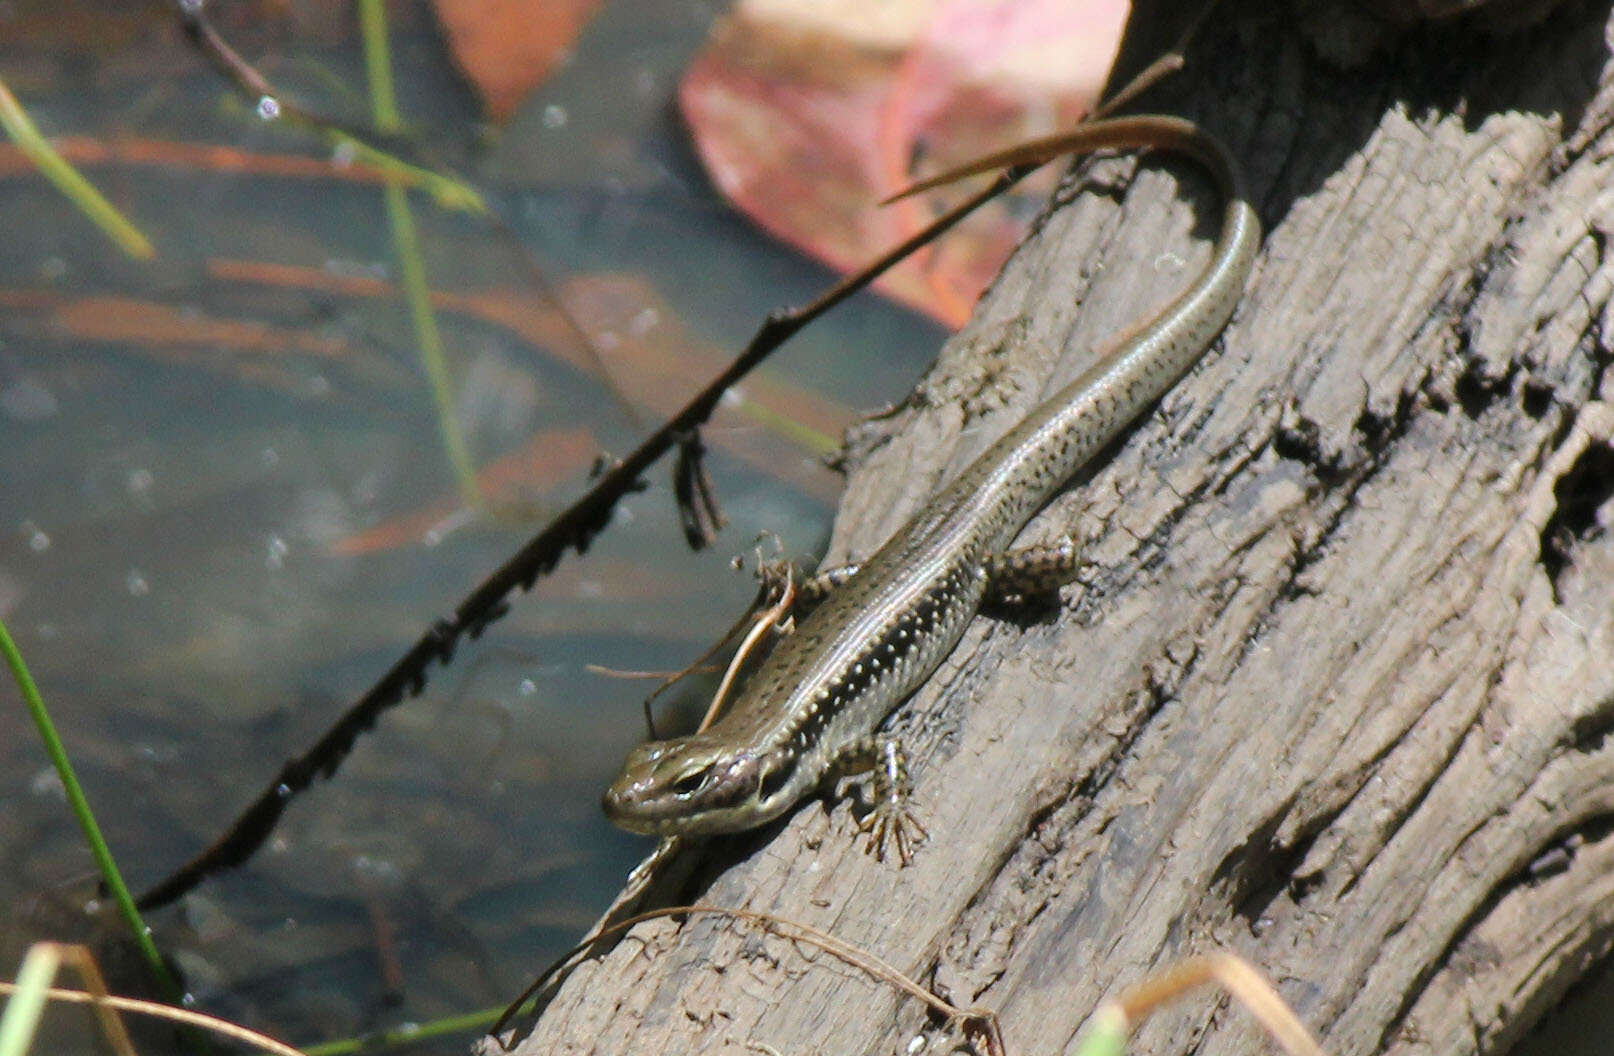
[(1337, 689)]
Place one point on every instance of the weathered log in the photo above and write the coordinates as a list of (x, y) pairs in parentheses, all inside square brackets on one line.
[(1336, 692)]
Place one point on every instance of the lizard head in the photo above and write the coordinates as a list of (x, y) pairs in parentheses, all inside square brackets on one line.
[(694, 786)]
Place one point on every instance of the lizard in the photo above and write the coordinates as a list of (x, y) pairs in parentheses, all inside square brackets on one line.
[(812, 708)]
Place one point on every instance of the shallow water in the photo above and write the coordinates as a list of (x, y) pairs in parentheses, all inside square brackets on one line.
[(227, 508)]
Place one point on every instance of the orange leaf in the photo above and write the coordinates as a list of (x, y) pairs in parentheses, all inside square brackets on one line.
[(806, 112), (505, 48)]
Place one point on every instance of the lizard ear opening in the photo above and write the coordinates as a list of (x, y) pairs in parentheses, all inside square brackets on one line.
[(774, 781)]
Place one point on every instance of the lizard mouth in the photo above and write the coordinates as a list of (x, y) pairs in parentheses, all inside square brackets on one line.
[(626, 807)]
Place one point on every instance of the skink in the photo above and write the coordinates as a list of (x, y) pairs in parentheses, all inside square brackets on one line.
[(811, 709)]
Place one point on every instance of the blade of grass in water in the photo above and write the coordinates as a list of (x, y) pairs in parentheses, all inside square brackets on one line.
[(805, 437), (86, 820), (446, 191), (78, 190), (412, 270), (24, 1008), (448, 1025)]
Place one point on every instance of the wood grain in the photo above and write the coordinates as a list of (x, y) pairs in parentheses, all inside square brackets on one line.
[(1336, 692)]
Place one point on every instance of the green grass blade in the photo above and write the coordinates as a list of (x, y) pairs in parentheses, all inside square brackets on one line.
[(1105, 1034), (412, 272), (805, 437), (378, 66), (469, 1021), (21, 1018), (86, 820), (411, 267), (446, 191), (78, 190)]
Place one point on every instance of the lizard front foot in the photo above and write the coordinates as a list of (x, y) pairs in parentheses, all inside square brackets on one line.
[(892, 819)]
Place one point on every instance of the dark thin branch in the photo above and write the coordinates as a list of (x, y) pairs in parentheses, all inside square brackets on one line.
[(270, 101), (573, 529)]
